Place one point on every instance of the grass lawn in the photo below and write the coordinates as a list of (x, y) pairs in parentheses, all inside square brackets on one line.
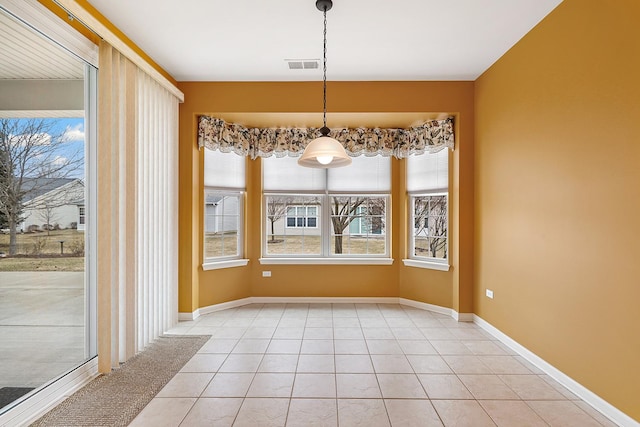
[(41, 252), (50, 244), (219, 245), (42, 264), (312, 245)]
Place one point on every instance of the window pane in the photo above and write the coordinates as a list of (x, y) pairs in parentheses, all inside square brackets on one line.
[(421, 246), (430, 226), (438, 248), (358, 225), (222, 224), (293, 233)]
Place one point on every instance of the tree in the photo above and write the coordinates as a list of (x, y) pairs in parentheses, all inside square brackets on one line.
[(30, 148), (276, 210), (346, 209), (3, 179)]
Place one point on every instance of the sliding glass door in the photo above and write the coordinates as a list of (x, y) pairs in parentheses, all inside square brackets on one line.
[(47, 204)]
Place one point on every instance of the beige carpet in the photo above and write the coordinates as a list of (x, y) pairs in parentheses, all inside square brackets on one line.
[(115, 399)]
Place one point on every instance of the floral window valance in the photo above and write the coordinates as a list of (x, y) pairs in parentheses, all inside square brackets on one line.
[(431, 136)]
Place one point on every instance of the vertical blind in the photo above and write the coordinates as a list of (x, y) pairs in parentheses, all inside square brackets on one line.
[(157, 166), (428, 172), (137, 209)]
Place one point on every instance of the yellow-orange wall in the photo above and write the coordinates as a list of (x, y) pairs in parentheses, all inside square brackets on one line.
[(557, 195), (199, 288)]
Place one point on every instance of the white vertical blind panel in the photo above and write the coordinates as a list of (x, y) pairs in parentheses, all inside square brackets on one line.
[(428, 172), (284, 173), (157, 139), (122, 207), (364, 174), (224, 170)]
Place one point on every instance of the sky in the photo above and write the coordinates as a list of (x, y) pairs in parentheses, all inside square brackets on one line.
[(73, 129)]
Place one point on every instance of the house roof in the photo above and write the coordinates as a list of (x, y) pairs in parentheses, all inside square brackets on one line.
[(36, 187)]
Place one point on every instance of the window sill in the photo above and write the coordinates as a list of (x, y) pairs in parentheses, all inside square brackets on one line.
[(426, 264), (215, 265), (328, 261)]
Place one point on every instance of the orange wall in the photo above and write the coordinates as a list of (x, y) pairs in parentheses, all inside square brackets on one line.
[(557, 190), (198, 288)]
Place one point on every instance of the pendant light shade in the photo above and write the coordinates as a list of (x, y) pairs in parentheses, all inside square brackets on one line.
[(324, 151)]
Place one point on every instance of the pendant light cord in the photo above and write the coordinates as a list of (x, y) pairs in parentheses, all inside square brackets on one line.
[(324, 71)]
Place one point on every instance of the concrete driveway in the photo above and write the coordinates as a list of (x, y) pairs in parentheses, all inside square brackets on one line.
[(41, 326)]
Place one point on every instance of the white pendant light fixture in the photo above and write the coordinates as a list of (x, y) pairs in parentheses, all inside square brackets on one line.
[(324, 152)]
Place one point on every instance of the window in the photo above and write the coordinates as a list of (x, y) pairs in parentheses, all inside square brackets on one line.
[(430, 226), (326, 213), (81, 215), (224, 180), (427, 186), (221, 224), (302, 216)]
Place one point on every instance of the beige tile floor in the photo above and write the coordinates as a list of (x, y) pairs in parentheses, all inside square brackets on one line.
[(356, 365)]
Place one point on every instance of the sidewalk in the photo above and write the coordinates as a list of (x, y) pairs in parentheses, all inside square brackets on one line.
[(41, 326)]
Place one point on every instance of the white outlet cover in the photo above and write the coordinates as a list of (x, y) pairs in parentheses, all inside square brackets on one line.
[(490, 293)]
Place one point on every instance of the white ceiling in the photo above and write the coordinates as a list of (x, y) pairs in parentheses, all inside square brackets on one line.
[(249, 40)]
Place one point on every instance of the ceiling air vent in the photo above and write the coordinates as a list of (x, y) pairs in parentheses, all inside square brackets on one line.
[(303, 64)]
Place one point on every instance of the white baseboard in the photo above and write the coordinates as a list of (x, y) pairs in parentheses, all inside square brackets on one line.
[(185, 317), (461, 317), (224, 306), (324, 300), (572, 385), (33, 407), (428, 307)]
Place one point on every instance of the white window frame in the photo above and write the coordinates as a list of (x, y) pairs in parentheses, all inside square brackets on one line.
[(440, 264), (326, 233), (237, 260), (225, 261), (323, 185), (426, 261)]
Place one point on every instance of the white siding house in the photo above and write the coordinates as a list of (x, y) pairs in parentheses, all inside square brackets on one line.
[(52, 202), (221, 214)]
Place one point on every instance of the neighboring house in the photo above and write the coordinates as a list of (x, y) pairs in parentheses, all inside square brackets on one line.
[(304, 218), (221, 214), (52, 203)]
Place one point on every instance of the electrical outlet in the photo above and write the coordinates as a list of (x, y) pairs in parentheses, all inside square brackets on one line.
[(490, 293), (266, 274)]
